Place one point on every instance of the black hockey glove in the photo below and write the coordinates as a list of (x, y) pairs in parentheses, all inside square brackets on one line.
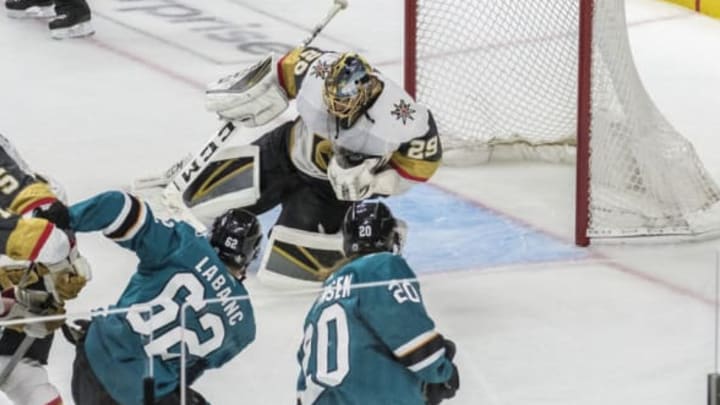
[(75, 331), (437, 392), (57, 213)]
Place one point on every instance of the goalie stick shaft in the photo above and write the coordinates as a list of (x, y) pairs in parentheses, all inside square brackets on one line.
[(195, 166), (336, 7)]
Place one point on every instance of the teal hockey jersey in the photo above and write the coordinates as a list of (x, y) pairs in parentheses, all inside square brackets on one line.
[(368, 338), (177, 270)]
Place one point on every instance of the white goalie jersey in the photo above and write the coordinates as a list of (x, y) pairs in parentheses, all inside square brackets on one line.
[(397, 130)]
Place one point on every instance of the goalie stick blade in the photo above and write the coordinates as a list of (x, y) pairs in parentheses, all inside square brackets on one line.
[(160, 180), (146, 183)]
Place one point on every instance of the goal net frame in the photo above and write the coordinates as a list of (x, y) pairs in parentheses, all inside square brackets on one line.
[(584, 117)]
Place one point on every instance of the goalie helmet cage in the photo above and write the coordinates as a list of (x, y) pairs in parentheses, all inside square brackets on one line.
[(555, 80)]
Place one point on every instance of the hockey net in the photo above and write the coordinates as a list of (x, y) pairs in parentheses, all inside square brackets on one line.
[(502, 80)]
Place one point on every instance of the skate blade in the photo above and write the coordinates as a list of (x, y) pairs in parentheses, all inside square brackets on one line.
[(32, 12), (83, 29)]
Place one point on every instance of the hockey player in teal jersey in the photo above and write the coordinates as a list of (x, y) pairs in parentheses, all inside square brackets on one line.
[(177, 265), (373, 344)]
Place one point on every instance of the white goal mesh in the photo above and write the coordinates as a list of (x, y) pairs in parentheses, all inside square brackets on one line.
[(501, 78)]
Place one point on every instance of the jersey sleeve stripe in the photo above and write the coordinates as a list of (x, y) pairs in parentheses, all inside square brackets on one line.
[(414, 343), (421, 351), (413, 169), (36, 204), (129, 220), (41, 241), (281, 73), (427, 360), (27, 238), (286, 71)]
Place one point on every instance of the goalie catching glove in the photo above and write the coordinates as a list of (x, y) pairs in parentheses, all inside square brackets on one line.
[(252, 97)]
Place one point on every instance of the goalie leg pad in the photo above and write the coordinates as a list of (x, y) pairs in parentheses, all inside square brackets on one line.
[(294, 257), (230, 180)]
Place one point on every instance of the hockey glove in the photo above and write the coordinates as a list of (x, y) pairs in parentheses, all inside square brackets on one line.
[(76, 330), (57, 213), (13, 275), (29, 304), (66, 278), (68, 285), (437, 392)]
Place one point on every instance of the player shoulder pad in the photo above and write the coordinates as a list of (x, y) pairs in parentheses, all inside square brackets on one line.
[(382, 266), (397, 115), (296, 64)]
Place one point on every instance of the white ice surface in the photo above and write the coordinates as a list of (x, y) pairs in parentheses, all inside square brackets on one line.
[(632, 326)]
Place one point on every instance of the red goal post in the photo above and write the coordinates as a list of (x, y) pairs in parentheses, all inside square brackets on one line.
[(555, 80)]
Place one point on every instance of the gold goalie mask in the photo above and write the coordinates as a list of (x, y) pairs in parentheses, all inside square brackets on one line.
[(350, 88)]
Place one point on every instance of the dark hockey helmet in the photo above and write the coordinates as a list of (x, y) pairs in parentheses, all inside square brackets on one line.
[(369, 227), (350, 88), (236, 236)]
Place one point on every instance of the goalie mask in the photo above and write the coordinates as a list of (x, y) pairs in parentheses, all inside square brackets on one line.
[(369, 227), (236, 236), (350, 88)]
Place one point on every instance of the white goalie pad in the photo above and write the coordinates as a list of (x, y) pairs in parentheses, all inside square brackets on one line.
[(295, 258), (230, 178), (251, 97)]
